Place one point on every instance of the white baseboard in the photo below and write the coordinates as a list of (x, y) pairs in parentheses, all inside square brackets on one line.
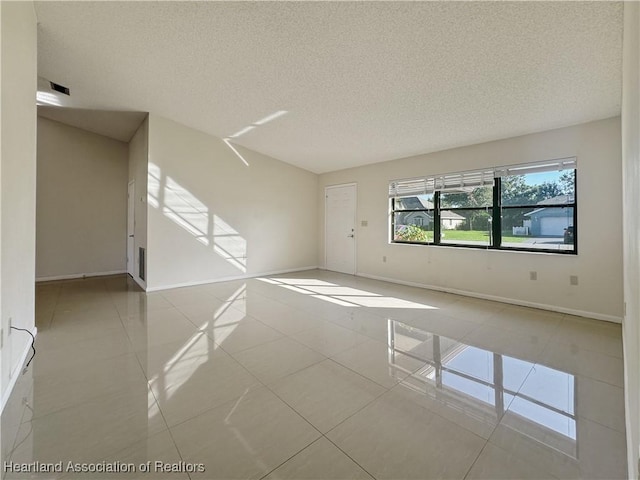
[(15, 373), (511, 301), (74, 276), (228, 279)]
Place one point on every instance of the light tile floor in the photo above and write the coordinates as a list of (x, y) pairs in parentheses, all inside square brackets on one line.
[(314, 375)]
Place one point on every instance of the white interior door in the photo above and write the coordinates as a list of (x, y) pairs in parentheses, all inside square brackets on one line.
[(130, 227), (340, 228)]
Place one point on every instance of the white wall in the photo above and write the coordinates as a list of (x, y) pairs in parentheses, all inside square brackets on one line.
[(18, 183), (500, 273), (631, 192), (138, 168), (81, 212), (212, 217), (4, 352)]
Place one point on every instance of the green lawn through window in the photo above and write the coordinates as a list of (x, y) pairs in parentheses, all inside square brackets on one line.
[(416, 234), (477, 236)]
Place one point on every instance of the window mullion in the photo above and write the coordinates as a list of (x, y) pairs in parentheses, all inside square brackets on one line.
[(393, 220), (436, 218), (496, 222), (575, 211)]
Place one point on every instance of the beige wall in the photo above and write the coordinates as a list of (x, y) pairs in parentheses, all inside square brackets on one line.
[(81, 202), (502, 274), (211, 217), (18, 183), (138, 167), (631, 192)]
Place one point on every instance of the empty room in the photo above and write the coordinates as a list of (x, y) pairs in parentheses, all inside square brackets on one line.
[(320, 240)]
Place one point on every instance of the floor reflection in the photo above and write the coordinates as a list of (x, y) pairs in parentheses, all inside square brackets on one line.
[(287, 377), (486, 385)]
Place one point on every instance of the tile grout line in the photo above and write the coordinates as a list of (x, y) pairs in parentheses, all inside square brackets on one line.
[(285, 461), (476, 459), (322, 435), (350, 457), (148, 387), (168, 429)]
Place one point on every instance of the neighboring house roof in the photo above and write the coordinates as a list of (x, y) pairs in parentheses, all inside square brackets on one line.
[(558, 200), (417, 213), (426, 203), (534, 212), (449, 215), (414, 203)]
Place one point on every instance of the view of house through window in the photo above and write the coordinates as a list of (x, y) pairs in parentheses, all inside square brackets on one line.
[(537, 210), (522, 207), (413, 219)]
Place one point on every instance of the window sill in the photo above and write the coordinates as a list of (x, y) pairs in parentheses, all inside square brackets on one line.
[(481, 248)]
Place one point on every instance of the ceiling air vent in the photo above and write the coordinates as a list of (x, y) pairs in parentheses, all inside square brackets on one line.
[(59, 88), (51, 94)]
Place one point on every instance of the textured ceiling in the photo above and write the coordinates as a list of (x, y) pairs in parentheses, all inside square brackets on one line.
[(119, 125), (360, 82)]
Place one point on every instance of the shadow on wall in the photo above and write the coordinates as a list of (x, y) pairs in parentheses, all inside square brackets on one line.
[(185, 210)]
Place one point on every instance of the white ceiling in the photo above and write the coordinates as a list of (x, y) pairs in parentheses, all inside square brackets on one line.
[(361, 82)]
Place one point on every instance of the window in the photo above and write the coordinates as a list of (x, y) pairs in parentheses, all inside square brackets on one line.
[(530, 207), (413, 219), (465, 216), (538, 209)]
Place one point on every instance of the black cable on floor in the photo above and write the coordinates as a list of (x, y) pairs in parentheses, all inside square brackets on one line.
[(33, 345)]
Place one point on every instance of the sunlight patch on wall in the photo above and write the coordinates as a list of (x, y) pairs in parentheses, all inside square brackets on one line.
[(228, 243), (243, 131), (45, 98), (235, 150), (186, 210), (153, 185), (183, 208)]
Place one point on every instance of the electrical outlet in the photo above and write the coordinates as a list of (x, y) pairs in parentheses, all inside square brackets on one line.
[(364, 223), (573, 280), (384, 259), (533, 275)]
